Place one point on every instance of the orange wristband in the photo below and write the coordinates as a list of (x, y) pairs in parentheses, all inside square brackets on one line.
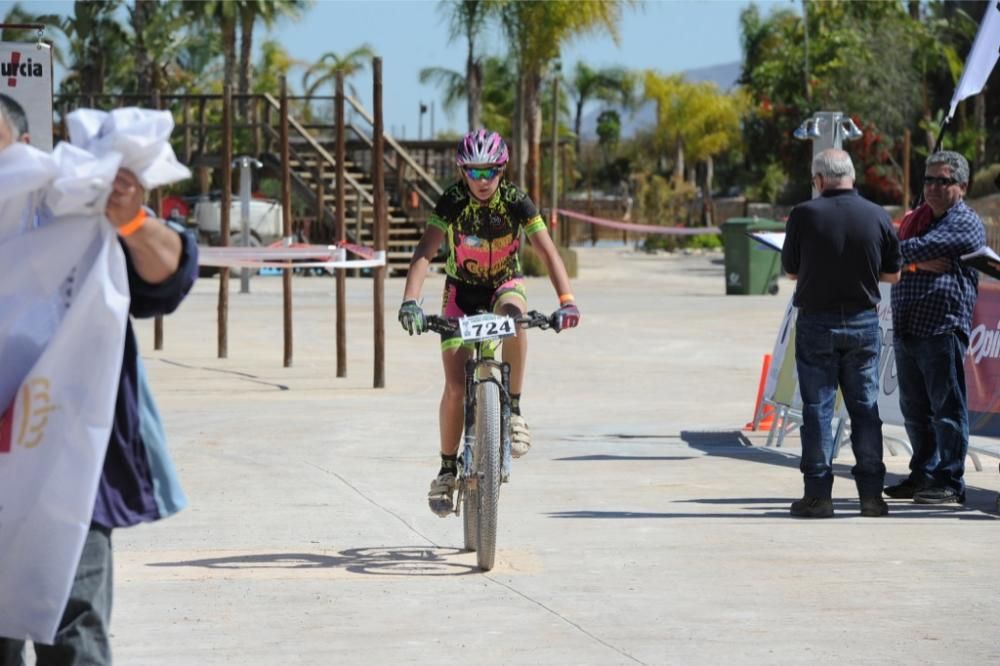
[(911, 268), (133, 225), (565, 298)]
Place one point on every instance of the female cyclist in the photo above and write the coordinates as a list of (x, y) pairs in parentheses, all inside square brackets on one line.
[(481, 217)]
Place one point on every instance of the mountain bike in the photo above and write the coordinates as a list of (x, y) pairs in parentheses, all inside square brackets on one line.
[(485, 457)]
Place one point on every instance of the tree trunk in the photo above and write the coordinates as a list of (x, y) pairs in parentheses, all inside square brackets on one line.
[(519, 135), (679, 161), (474, 87), (140, 14), (228, 50), (247, 19), (533, 110), (980, 116), (708, 206), (578, 122)]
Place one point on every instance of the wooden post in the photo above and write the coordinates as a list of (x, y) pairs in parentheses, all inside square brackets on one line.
[(320, 192), (907, 197), (286, 215), (186, 115), (341, 230), (590, 204), (267, 121), (258, 140), (381, 234), (224, 206), (157, 201), (202, 127), (555, 160)]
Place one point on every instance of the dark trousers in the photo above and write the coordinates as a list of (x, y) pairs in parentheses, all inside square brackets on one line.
[(932, 398), (839, 350), (82, 638)]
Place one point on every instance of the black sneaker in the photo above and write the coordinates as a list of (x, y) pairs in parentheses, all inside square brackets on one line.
[(938, 495), (902, 490), (812, 507), (874, 507)]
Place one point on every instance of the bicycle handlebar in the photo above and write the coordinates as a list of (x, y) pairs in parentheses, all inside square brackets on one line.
[(531, 319)]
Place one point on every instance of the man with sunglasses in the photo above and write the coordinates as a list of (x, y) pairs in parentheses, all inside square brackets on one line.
[(931, 318), (481, 219)]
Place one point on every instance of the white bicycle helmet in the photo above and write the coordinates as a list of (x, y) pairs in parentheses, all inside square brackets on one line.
[(482, 147)]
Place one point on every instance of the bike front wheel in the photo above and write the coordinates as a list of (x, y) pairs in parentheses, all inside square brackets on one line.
[(470, 514), (488, 471)]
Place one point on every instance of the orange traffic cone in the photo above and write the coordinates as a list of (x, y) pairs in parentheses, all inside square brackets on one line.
[(767, 418)]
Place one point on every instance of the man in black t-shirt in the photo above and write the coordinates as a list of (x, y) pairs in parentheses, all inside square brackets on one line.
[(838, 247)]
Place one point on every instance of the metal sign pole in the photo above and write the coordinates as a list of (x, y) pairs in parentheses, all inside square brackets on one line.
[(245, 163), (826, 129)]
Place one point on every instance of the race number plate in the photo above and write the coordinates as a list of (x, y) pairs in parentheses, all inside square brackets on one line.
[(485, 326)]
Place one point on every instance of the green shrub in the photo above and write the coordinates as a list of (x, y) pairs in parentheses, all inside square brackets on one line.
[(670, 243)]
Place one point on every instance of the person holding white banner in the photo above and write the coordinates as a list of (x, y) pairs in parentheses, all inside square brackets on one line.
[(932, 319), (135, 483), (838, 247)]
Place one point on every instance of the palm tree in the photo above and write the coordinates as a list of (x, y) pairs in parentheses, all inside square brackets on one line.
[(467, 19), (496, 100), (612, 84), (538, 29), (268, 11), (698, 122), (220, 15), (330, 64)]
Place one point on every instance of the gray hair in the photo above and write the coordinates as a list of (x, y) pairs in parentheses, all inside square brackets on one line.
[(959, 165), (13, 113), (833, 164)]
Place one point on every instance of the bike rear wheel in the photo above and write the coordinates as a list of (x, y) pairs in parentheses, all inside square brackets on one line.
[(488, 471)]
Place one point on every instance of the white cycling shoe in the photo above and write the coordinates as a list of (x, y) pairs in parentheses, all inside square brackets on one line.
[(520, 437), (440, 496)]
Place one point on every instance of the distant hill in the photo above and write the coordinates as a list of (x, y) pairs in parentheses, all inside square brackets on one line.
[(724, 76)]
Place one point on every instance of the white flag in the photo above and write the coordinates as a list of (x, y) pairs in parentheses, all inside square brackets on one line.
[(982, 58)]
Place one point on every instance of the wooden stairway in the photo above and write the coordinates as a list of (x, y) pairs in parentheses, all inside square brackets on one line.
[(311, 160)]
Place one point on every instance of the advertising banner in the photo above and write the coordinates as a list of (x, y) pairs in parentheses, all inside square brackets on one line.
[(982, 364), (26, 78)]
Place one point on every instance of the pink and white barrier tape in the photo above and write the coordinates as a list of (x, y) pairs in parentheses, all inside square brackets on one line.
[(641, 228), (290, 256)]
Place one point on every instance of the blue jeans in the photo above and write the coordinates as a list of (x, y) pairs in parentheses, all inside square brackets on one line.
[(831, 350), (932, 397), (82, 638)]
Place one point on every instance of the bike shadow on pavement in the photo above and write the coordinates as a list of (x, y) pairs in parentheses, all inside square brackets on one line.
[(736, 445), (380, 561)]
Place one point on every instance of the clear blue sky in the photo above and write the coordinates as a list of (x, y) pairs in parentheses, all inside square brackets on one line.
[(665, 35), (668, 36)]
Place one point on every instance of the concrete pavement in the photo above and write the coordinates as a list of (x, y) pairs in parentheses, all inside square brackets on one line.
[(643, 527)]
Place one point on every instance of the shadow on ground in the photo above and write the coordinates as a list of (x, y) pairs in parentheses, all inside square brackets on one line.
[(382, 561), (735, 444)]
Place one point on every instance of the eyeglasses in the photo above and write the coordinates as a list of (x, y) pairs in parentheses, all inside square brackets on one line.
[(939, 180), (488, 173)]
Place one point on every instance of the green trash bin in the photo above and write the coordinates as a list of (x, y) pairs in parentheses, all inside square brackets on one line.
[(751, 268)]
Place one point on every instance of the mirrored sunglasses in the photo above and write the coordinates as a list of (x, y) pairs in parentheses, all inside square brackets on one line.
[(939, 180), (488, 173)]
